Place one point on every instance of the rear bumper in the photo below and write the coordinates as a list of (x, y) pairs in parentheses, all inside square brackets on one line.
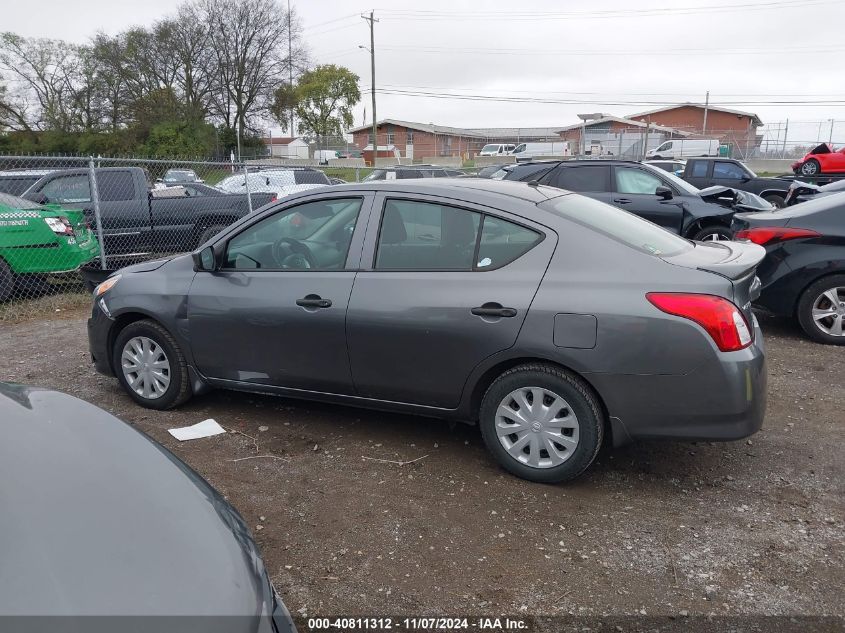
[(99, 327), (723, 399)]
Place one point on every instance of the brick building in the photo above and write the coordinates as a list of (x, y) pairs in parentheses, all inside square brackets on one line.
[(417, 140), (732, 127)]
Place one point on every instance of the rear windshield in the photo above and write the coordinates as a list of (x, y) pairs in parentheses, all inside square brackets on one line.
[(618, 224), (17, 184), (310, 178)]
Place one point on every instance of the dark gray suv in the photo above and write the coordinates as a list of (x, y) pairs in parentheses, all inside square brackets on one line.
[(553, 320)]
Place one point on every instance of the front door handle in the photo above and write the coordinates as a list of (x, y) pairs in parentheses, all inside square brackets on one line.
[(493, 310), (623, 200), (314, 301)]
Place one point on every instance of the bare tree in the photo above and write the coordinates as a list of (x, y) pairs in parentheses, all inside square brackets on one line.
[(250, 41)]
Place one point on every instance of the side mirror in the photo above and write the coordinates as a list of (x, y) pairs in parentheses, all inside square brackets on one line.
[(745, 178), (37, 197), (205, 260), (664, 193)]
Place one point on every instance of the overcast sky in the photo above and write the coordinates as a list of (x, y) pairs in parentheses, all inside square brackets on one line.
[(609, 55)]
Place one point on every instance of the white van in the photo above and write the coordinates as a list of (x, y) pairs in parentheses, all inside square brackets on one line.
[(685, 148), (527, 151), (496, 149)]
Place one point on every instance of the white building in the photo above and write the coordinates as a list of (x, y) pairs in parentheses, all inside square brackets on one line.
[(286, 147)]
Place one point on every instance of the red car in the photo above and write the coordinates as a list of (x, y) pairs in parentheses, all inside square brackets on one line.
[(821, 160)]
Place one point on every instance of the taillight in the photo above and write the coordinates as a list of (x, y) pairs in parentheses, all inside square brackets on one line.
[(722, 320), (767, 234), (59, 226)]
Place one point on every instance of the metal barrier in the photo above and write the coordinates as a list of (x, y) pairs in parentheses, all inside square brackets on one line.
[(66, 222)]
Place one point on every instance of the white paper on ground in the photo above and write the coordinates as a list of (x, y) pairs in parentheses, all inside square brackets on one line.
[(206, 428)]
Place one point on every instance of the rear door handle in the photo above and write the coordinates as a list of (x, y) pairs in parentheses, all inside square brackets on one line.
[(314, 301), (623, 200), (493, 310)]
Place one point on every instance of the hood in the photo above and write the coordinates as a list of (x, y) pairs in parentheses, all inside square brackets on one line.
[(148, 266), (736, 199), (98, 519)]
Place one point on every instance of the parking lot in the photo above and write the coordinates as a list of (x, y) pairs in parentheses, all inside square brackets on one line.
[(371, 513)]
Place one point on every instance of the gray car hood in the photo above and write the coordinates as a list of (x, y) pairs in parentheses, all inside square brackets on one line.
[(98, 519)]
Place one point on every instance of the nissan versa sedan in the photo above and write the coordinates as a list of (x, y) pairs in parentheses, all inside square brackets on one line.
[(101, 525), (554, 321)]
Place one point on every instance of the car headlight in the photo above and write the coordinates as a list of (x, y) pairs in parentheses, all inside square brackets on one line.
[(107, 285)]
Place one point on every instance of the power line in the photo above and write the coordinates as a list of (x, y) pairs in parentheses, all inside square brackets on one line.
[(435, 15), (440, 50)]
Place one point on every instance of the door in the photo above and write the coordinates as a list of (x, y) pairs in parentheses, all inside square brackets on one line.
[(442, 288), (634, 190), (697, 173), (275, 313)]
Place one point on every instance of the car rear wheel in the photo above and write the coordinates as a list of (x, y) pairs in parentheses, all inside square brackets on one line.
[(810, 168), (541, 423), (713, 234), (150, 366), (821, 310), (7, 281)]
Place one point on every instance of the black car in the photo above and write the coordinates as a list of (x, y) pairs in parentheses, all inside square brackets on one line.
[(100, 520), (803, 273), (729, 172), (646, 191)]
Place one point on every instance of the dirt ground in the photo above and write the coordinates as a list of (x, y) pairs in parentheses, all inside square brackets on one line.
[(745, 528)]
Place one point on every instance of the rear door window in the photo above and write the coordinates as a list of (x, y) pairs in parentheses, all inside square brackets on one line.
[(115, 186), (583, 178)]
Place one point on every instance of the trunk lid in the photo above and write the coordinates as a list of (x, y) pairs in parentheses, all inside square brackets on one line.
[(737, 261)]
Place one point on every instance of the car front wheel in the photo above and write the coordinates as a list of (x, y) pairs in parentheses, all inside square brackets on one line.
[(821, 310), (810, 168), (150, 366), (541, 423), (713, 234)]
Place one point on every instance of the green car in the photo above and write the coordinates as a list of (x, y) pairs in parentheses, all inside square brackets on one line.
[(41, 239)]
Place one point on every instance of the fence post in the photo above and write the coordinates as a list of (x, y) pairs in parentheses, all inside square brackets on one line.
[(357, 174), (98, 220), (246, 187)]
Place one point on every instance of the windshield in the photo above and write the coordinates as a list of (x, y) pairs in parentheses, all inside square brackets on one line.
[(310, 178), (376, 174), (679, 183), (490, 148), (175, 175), (620, 225)]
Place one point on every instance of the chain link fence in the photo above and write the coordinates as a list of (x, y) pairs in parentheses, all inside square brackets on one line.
[(67, 222)]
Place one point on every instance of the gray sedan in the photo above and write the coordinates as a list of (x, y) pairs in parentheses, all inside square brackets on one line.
[(554, 321)]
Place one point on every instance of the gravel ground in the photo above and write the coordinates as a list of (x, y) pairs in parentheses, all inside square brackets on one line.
[(745, 528)]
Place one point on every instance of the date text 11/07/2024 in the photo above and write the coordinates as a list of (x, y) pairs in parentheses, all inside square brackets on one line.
[(416, 624)]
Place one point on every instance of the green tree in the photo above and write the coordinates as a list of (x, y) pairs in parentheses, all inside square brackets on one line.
[(322, 99)]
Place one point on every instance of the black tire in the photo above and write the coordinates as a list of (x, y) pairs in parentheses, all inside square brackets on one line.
[(7, 281), (179, 389), (811, 167), (582, 402), (209, 232), (777, 200), (707, 233), (804, 310)]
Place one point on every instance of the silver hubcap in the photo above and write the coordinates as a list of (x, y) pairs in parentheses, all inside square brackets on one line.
[(145, 367), (829, 311), (809, 168), (537, 427)]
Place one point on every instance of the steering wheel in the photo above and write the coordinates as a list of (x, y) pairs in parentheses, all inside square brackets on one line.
[(291, 253)]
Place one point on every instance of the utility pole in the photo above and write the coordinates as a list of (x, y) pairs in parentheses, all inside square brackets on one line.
[(645, 143), (290, 67), (830, 140), (706, 107), (372, 22)]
